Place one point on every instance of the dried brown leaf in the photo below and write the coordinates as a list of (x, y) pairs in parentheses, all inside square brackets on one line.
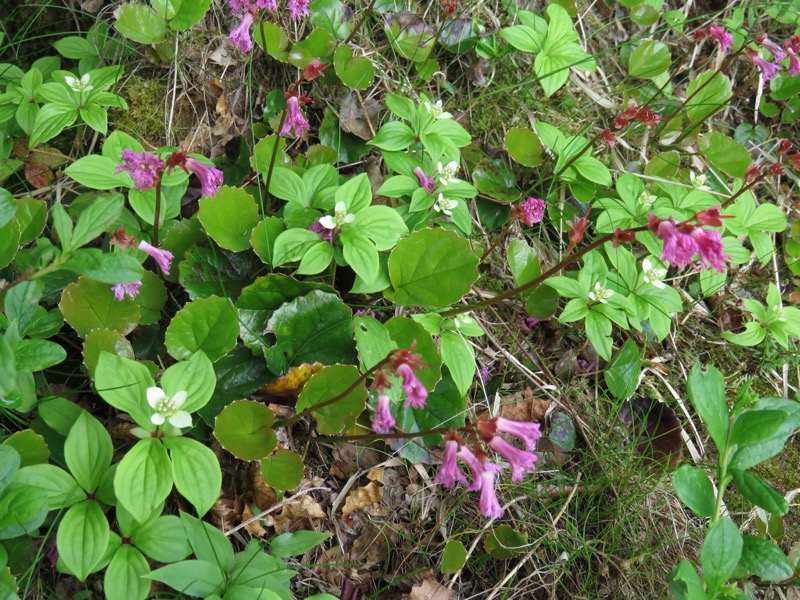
[(362, 497), (430, 590)]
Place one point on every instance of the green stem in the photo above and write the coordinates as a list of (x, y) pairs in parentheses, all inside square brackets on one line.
[(292, 420), (722, 479), (157, 212), (371, 437)]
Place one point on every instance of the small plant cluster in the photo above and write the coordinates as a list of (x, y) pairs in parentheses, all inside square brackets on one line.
[(179, 291)]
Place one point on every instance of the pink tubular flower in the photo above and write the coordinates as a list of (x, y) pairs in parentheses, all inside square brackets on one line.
[(210, 177), (162, 257), (240, 36), (794, 62), (529, 212), (520, 460), (267, 4), (776, 51), (712, 252), (427, 182), (383, 422), (294, 118), (723, 36), (449, 474), (529, 433), (416, 394), (489, 505), (144, 168), (298, 9), (679, 247), (475, 467), (768, 69), (126, 289)]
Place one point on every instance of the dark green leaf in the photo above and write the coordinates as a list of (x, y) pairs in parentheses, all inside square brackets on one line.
[(694, 488), (721, 552), (707, 393), (622, 374)]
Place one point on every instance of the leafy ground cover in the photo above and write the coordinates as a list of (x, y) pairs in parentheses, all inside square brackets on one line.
[(381, 299)]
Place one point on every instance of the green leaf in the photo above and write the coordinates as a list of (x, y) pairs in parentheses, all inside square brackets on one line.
[(229, 217), (504, 542), (61, 489), (88, 451), (685, 584), (393, 136), (163, 539), (274, 40), (59, 414), (283, 470), (459, 356), (694, 488), (381, 224), (98, 173), (622, 375), (707, 392), (764, 559), (331, 16), (432, 266), (88, 305), (361, 254), (195, 471), (194, 376), (316, 327), (208, 543), (598, 331), (9, 465), (207, 271), (759, 435), (9, 242), (356, 73), (124, 578), (51, 120), (524, 146), (244, 429), (8, 207), (318, 44), (725, 153), (524, 38), (263, 238), (96, 117), (30, 446), (293, 244), (650, 59), (296, 543), (704, 98), (329, 383), (759, 492), (140, 23), (454, 557), (316, 258), (143, 479), (31, 216), (38, 355), (208, 324), (82, 538), (189, 14), (191, 577), (22, 511), (721, 551), (104, 268), (123, 384)]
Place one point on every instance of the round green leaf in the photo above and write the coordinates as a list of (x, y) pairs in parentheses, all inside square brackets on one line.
[(82, 538), (454, 557), (208, 324), (104, 340), (765, 560), (151, 298), (283, 470), (504, 542), (356, 73), (263, 238), (88, 305), (244, 429), (194, 376), (431, 267), (725, 153), (318, 44), (9, 242), (196, 472), (524, 146), (326, 384), (694, 488), (30, 446), (123, 579), (143, 479), (650, 59), (140, 23), (229, 217), (644, 15)]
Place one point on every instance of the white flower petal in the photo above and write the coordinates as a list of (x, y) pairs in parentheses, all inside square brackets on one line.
[(327, 222), (340, 207), (179, 398), (659, 284), (350, 218), (181, 419), (646, 265), (157, 419), (154, 396)]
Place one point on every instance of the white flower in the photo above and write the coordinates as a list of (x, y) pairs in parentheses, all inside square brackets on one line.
[(447, 173), (436, 110), (652, 274), (647, 198), (79, 85), (601, 294), (167, 409), (698, 181), (460, 320), (340, 217), (444, 205)]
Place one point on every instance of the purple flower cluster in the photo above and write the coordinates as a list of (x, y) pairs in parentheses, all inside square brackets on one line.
[(401, 363), (482, 470), (771, 68), (529, 212), (144, 168), (241, 36), (683, 241), (294, 119)]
